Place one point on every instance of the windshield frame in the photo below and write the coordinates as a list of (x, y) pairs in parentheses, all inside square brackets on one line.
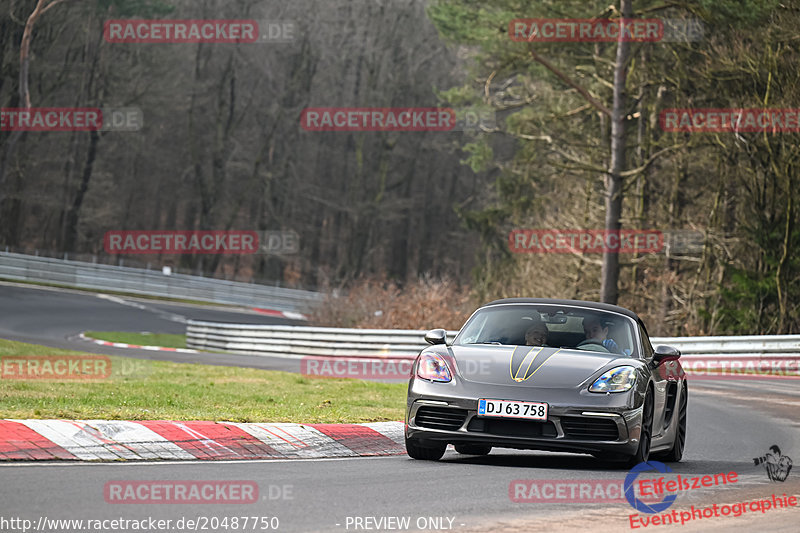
[(633, 324)]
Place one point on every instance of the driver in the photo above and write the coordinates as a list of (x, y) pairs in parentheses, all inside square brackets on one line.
[(595, 331)]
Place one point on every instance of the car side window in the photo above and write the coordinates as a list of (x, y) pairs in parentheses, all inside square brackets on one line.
[(647, 348)]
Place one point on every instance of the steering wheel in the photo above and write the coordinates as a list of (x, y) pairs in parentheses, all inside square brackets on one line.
[(592, 345)]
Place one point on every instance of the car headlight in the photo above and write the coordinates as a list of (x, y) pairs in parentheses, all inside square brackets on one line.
[(618, 379), (433, 368)]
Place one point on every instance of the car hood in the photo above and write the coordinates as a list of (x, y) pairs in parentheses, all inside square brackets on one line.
[(531, 365)]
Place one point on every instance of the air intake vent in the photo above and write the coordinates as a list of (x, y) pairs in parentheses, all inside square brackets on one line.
[(513, 428), (584, 428), (672, 391), (440, 418)]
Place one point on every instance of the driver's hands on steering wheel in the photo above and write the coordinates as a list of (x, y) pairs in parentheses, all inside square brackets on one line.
[(611, 346)]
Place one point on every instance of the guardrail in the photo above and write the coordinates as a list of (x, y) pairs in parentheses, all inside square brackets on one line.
[(153, 283), (742, 347), (302, 341)]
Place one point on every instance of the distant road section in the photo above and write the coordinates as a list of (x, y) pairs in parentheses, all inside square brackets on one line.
[(56, 317)]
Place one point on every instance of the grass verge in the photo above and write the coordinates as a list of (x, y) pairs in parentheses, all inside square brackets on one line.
[(139, 389)]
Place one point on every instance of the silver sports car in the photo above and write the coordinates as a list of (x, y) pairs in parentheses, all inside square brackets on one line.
[(558, 375)]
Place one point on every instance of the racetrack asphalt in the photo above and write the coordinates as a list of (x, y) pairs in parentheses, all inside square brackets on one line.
[(726, 431), (56, 318)]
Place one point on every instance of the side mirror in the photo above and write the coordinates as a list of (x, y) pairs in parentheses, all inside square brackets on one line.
[(436, 336), (665, 353)]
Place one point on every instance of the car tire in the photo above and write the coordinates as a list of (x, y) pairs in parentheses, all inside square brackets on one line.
[(432, 451), (473, 449), (645, 435), (675, 454)]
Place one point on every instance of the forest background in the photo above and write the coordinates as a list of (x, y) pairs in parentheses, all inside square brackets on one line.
[(410, 229)]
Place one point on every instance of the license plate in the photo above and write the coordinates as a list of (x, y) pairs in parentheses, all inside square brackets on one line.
[(512, 409)]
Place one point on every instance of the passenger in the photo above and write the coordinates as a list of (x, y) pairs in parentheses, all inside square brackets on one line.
[(537, 334), (596, 332)]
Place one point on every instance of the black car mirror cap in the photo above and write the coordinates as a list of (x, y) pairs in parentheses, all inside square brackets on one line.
[(665, 353), (436, 336)]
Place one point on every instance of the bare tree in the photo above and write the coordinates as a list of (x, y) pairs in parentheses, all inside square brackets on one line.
[(42, 7)]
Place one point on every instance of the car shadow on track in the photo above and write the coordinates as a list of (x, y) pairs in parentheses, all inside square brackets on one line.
[(501, 458)]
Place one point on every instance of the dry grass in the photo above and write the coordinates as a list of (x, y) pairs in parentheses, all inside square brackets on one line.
[(374, 303)]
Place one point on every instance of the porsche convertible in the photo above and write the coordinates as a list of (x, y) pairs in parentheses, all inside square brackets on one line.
[(555, 375)]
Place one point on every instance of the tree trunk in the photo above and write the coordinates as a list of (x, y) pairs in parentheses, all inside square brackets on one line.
[(73, 215), (24, 67), (613, 180)]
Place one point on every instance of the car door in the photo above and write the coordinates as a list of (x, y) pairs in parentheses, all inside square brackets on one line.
[(660, 382)]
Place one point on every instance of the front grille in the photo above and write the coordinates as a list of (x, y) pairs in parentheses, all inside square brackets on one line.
[(584, 428), (512, 428), (446, 418)]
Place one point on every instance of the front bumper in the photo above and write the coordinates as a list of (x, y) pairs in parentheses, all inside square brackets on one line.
[(578, 421)]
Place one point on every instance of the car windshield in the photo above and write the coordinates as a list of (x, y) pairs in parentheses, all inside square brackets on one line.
[(556, 326)]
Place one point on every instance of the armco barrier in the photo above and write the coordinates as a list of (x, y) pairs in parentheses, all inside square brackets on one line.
[(744, 347), (301, 341), (151, 282)]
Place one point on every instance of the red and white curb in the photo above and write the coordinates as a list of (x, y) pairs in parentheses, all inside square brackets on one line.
[(115, 440), (123, 345), (281, 314)]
